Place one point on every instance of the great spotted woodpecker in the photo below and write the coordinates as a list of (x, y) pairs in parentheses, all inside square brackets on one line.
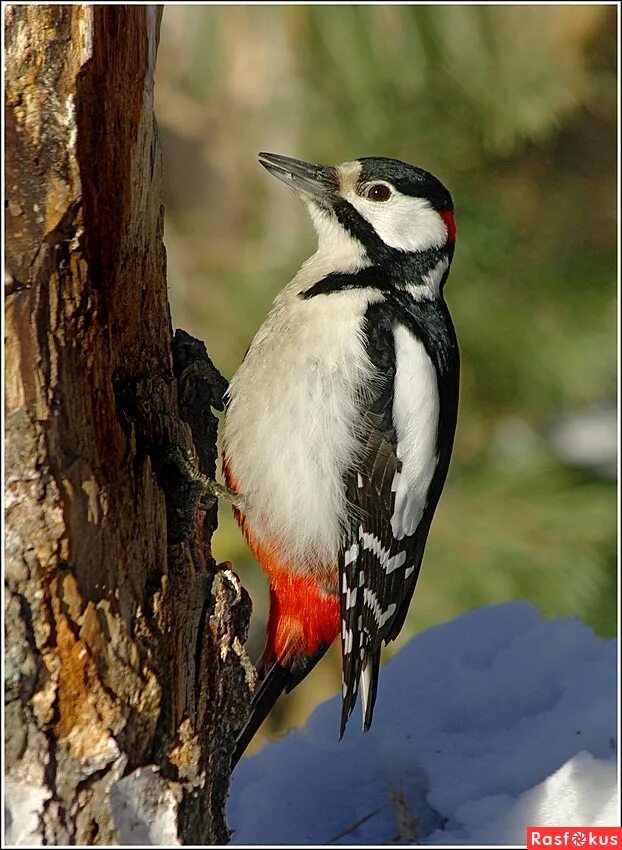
[(340, 422)]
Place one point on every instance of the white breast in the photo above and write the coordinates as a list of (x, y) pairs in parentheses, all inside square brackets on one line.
[(290, 427), (415, 415)]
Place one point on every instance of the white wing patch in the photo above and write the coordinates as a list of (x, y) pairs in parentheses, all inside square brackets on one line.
[(415, 416)]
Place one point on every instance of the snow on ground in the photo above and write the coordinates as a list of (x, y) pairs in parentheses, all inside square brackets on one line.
[(483, 725)]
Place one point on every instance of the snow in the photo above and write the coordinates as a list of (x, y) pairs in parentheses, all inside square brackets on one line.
[(497, 720)]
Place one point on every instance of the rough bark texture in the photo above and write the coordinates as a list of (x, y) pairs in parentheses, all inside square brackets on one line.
[(125, 670)]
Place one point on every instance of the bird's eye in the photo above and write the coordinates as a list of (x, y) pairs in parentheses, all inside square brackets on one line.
[(378, 192)]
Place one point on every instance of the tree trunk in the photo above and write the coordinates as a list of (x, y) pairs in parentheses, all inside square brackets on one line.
[(125, 669)]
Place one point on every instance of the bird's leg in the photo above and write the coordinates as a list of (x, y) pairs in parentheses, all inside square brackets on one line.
[(206, 489)]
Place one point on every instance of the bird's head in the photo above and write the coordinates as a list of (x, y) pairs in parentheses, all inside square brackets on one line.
[(382, 210)]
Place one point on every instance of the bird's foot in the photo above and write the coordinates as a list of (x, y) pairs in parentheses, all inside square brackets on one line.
[(206, 489)]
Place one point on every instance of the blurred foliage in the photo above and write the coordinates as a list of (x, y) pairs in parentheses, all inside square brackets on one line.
[(514, 108)]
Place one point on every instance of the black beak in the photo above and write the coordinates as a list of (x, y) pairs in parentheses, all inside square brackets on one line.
[(320, 180)]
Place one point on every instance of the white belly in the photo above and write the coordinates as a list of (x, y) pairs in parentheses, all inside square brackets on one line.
[(290, 427)]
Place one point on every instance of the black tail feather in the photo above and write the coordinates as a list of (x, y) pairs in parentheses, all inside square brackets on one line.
[(280, 677), (270, 689), (372, 692), (348, 702)]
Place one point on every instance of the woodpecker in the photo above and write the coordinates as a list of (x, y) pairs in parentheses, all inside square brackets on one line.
[(340, 422)]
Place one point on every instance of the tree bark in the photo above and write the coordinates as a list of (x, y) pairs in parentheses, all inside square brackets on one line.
[(125, 669)]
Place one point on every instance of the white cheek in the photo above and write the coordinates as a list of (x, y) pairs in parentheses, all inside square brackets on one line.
[(403, 222)]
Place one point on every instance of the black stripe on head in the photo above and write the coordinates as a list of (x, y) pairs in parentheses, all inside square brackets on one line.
[(407, 179), (361, 229)]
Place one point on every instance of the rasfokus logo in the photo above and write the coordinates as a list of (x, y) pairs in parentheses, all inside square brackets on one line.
[(574, 836)]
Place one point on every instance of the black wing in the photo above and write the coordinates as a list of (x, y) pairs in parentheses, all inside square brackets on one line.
[(373, 568), (378, 572)]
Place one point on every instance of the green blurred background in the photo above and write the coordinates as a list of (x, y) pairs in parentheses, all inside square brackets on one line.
[(514, 108)]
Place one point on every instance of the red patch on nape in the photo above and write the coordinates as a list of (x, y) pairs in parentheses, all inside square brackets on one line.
[(450, 224)]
